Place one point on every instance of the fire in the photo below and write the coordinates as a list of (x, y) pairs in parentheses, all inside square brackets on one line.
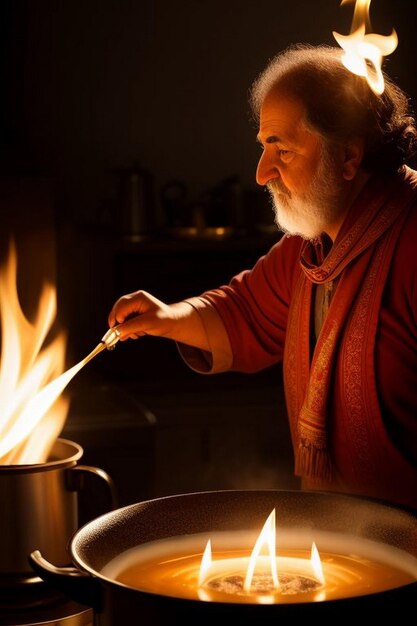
[(260, 573), (267, 537), (316, 564), (364, 52), (32, 379), (205, 564)]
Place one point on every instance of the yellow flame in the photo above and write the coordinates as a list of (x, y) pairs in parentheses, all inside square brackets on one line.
[(316, 564), (266, 563), (30, 417), (205, 564), (364, 52), (32, 412), (266, 537)]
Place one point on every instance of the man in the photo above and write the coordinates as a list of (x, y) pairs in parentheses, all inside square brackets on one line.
[(336, 298)]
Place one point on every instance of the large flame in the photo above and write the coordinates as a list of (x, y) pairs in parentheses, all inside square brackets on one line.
[(364, 52), (266, 537), (266, 564), (32, 411)]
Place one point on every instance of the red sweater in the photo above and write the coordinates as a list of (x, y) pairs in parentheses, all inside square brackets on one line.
[(253, 310)]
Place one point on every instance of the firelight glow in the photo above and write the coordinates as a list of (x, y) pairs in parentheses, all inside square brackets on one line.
[(364, 52), (179, 567), (32, 379), (205, 564), (266, 565), (316, 564), (28, 423), (266, 537)]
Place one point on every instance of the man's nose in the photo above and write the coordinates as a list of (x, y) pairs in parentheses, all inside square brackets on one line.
[(267, 169)]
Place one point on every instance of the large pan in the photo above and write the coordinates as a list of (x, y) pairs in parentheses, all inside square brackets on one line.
[(114, 604)]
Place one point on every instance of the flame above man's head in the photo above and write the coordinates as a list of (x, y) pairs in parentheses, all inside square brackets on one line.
[(364, 51)]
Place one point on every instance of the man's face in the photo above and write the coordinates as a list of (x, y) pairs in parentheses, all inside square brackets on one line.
[(303, 176)]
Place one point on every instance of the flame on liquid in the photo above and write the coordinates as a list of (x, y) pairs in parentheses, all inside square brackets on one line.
[(205, 564), (316, 564), (266, 538), (32, 410), (364, 52)]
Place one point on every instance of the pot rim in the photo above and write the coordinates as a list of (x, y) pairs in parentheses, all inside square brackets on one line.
[(56, 463)]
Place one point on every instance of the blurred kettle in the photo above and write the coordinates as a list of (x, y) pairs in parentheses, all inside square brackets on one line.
[(137, 203)]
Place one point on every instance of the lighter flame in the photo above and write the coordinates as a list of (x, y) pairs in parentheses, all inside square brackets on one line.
[(364, 52), (266, 537), (33, 411)]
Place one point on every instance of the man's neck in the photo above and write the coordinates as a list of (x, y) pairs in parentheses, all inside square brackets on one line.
[(353, 190)]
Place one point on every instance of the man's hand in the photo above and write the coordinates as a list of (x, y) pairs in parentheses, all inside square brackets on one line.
[(139, 313)]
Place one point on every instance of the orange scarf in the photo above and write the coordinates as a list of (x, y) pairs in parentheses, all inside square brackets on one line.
[(360, 258)]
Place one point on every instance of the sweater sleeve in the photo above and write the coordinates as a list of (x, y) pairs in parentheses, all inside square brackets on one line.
[(245, 321)]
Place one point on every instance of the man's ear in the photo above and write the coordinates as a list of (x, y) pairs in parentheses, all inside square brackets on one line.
[(352, 158)]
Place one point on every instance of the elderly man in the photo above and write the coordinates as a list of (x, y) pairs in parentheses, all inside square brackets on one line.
[(336, 298)]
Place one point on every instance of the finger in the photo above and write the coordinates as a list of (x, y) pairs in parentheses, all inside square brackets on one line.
[(112, 319), (133, 328), (134, 336), (121, 310), (115, 316), (130, 335), (129, 305)]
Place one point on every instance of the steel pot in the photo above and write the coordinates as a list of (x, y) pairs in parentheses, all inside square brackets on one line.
[(106, 537), (39, 508)]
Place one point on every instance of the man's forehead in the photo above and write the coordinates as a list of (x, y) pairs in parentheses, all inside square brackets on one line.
[(281, 116)]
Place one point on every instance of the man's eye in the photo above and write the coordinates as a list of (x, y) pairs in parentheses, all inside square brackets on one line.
[(285, 155)]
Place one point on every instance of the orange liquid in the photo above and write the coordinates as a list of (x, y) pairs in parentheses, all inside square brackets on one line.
[(171, 567)]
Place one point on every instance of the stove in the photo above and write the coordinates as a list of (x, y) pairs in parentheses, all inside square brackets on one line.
[(35, 603)]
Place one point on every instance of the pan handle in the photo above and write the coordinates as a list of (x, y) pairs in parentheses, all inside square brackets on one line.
[(77, 475), (77, 585)]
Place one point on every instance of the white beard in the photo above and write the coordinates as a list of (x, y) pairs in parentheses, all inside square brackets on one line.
[(313, 212)]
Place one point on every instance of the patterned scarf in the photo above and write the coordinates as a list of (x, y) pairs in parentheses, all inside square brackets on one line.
[(360, 259)]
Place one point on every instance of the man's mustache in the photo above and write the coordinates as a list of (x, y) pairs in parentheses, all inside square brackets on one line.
[(277, 186)]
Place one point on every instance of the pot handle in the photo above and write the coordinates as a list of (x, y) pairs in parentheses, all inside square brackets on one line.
[(75, 481), (77, 585)]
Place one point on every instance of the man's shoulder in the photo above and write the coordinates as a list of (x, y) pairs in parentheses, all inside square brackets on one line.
[(288, 246), (282, 262)]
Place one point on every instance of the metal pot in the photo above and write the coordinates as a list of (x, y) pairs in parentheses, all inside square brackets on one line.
[(106, 537), (39, 508)]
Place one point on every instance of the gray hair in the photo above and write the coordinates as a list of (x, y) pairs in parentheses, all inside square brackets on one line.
[(340, 105)]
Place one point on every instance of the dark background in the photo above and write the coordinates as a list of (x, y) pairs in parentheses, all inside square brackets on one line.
[(91, 88), (95, 92)]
